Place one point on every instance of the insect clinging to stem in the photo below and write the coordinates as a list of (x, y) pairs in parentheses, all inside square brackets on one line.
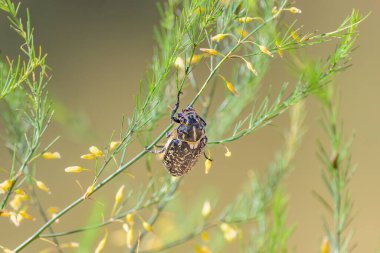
[(186, 142)]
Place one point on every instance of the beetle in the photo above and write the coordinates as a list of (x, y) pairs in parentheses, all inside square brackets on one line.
[(185, 143)]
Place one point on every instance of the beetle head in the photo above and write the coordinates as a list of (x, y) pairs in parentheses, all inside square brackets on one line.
[(188, 116)]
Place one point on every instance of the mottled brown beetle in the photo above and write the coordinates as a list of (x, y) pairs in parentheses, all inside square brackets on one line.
[(185, 143)]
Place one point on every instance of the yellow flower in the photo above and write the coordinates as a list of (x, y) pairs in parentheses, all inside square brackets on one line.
[(296, 36), (228, 152), (219, 37), (204, 236), (69, 245), (120, 194), (95, 151), (4, 186), (129, 219), (89, 191), (325, 247), (130, 237), (229, 232), (251, 68), (17, 201), (196, 58), (230, 86), (207, 166), (42, 186), (202, 249), (25, 215), (51, 156), (5, 213), (16, 219), (114, 144), (294, 10), (274, 10), (88, 157), (179, 63), (102, 243), (246, 19), (118, 198), (147, 226), (6, 250), (242, 32), (206, 209), (53, 211), (209, 51), (74, 169), (20, 192), (265, 50)]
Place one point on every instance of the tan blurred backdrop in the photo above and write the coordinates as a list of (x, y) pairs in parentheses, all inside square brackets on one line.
[(99, 49)]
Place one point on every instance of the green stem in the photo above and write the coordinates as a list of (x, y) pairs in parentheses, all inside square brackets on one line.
[(113, 219)]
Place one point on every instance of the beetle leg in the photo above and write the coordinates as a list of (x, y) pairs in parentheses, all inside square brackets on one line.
[(160, 151), (174, 111), (208, 158), (168, 134)]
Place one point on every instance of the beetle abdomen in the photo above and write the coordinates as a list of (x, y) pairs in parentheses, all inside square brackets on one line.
[(181, 156)]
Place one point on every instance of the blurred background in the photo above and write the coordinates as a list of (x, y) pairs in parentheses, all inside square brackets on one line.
[(99, 50)]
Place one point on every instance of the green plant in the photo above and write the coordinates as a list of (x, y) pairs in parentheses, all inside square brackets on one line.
[(242, 35)]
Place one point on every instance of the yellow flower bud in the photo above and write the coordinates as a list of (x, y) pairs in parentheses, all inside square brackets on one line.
[(4, 186), (245, 19), (20, 192), (251, 68), (25, 215), (242, 33), (51, 156), (179, 63), (206, 209), (205, 236), (230, 86), (202, 249), (74, 169), (89, 191), (147, 226), (120, 194), (295, 10), (5, 213), (207, 166), (229, 232), (325, 247), (129, 219), (70, 245), (196, 58), (265, 50), (17, 201), (95, 151), (228, 153), (88, 157), (102, 243), (219, 37), (42, 186), (130, 237), (209, 51), (16, 219), (274, 10), (114, 144)]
